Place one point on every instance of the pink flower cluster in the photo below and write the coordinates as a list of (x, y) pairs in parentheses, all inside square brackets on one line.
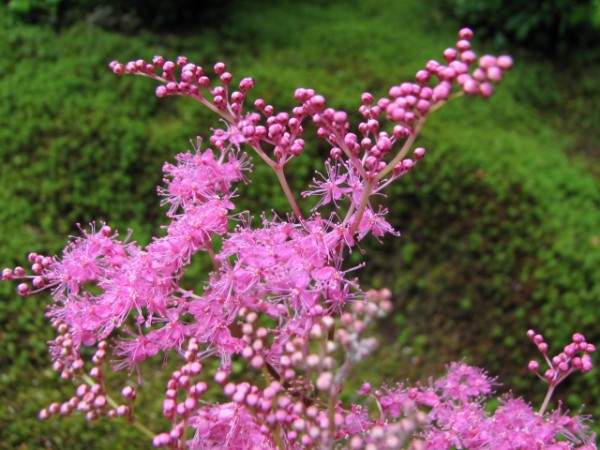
[(280, 299), (457, 416)]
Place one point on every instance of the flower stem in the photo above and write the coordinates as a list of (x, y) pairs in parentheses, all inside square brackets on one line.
[(288, 192), (364, 202), (547, 399)]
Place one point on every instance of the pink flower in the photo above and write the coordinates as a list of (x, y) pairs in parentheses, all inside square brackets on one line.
[(331, 189), (375, 224), (135, 350), (227, 426), (464, 383)]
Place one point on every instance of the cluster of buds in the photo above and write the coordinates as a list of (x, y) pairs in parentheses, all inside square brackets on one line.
[(181, 398), (190, 80), (91, 397), (33, 283), (574, 357), (278, 130), (90, 400), (408, 104), (281, 131), (66, 356)]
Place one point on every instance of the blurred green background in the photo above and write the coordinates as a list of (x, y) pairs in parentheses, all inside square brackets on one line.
[(500, 223)]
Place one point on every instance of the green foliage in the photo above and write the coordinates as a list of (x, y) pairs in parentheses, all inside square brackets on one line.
[(34, 10), (499, 221), (563, 28), (133, 15)]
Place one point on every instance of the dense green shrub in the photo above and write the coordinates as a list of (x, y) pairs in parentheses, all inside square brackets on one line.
[(124, 16), (564, 28)]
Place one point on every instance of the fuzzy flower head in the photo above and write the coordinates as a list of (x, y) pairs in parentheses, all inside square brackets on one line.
[(463, 383)]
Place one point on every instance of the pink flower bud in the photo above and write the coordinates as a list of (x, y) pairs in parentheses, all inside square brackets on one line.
[(504, 62), (161, 440), (7, 274), (257, 362), (169, 66), (226, 78), (465, 33), (23, 289), (219, 68), (365, 389), (468, 57), (340, 117), (441, 92), (384, 144), (221, 376), (100, 401), (306, 440), (246, 84), (590, 348), (158, 61), (450, 54), (195, 367), (494, 74), (463, 45), (324, 381), (318, 101), (487, 61), (128, 392), (77, 365), (423, 76), (486, 90), (190, 403), (471, 87), (54, 408), (335, 153), (423, 105), (419, 153), (366, 98), (229, 389), (65, 409), (38, 282), (247, 352)]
